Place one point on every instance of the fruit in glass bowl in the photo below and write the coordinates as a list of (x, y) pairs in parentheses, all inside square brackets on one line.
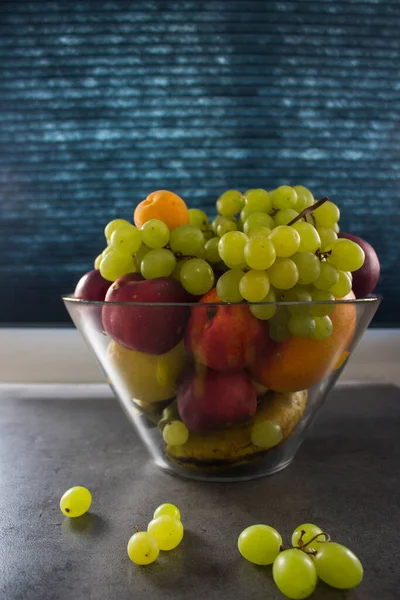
[(222, 337)]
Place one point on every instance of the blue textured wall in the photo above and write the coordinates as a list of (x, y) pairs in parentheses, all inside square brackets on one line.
[(103, 102)]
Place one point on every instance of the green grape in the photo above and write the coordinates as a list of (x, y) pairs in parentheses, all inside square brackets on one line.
[(285, 239), (158, 263), (225, 226), (201, 253), (343, 285), (186, 240), (175, 433), (76, 501), (295, 574), (211, 248), (230, 203), (338, 566), (266, 434), (284, 216), (143, 548), (346, 255), (115, 264), (284, 197), (310, 531), (198, 219), (97, 261), (259, 253), (257, 200), (336, 228), (228, 286), (304, 197), (301, 325), (327, 237), (326, 215), (297, 294), (155, 234), (309, 238), (328, 276), (308, 265), (261, 231), (112, 226), (323, 328), (283, 274), (254, 285), (257, 219), (197, 277), (260, 544), (217, 221), (278, 325), (321, 310), (167, 509), (139, 256), (231, 248), (126, 239), (265, 311), (167, 531)]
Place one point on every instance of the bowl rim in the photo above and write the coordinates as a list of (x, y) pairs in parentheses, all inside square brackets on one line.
[(370, 299)]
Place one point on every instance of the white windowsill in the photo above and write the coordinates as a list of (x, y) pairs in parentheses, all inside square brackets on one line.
[(61, 356)]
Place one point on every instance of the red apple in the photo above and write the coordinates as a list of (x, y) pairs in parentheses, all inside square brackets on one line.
[(365, 278), (145, 327), (224, 337), (209, 399), (92, 286)]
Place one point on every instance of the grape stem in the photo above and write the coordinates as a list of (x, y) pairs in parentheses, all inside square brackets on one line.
[(307, 211), (302, 546)]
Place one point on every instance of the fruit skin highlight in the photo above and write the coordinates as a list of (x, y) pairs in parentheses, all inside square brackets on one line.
[(163, 205)]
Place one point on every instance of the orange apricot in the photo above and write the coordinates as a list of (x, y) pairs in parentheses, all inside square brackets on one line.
[(163, 205), (299, 363)]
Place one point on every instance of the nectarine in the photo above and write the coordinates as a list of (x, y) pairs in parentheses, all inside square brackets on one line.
[(165, 206)]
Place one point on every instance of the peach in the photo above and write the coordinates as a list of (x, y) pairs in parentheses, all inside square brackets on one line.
[(163, 205)]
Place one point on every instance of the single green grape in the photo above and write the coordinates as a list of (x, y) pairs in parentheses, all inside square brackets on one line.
[(259, 253), (211, 249), (302, 325), (257, 219), (284, 197), (304, 197), (308, 266), (97, 261), (231, 248), (322, 310), (230, 203), (143, 548), (225, 226), (175, 433), (254, 285), (265, 311), (278, 325), (76, 501), (323, 328), (176, 273), (155, 234), (343, 285), (310, 531), (260, 544), (126, 239), (112, 226), (295, 574), (167, 531), (228, 286), (326, 215), (297, 294), (336, 228), (261, 231), (217, 221), (257, 200), (158, 263), (338, 566), (286, 240), (346, 255), (284, 216), (283, 274), (186, 240), (266, 434), (327, 237), (328, 276), (197, 276), (115, 264), (139, 256), (198, 219), (167, 509), (309, 237)]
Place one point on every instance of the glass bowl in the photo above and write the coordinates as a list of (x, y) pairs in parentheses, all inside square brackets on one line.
[(212, 396)]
